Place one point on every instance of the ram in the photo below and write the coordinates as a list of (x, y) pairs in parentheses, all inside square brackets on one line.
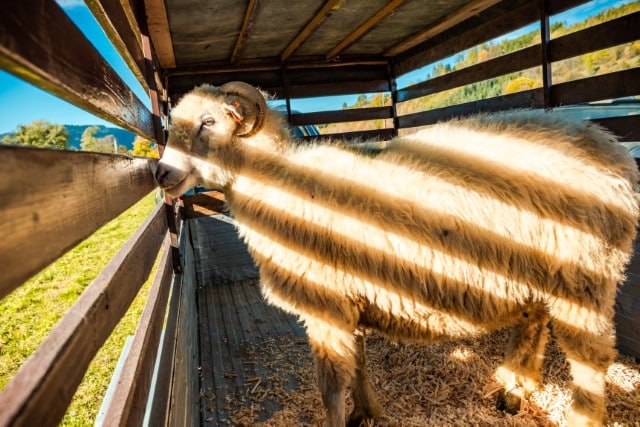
[(468, 226)]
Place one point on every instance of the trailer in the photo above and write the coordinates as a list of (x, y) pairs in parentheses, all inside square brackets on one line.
[(205, 334)]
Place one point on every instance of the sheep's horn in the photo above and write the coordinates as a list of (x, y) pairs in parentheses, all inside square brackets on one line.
[(252, 95)]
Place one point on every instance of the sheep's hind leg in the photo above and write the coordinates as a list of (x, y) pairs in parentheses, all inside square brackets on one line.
[(364, 398), (588, 340), (520, 374)]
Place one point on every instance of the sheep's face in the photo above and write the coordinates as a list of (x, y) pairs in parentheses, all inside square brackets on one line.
[(205, 124)]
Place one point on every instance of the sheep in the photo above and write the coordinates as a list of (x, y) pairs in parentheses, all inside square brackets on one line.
[(468, 226)]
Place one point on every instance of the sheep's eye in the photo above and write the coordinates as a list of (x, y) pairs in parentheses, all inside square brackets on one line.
[(208, 121)]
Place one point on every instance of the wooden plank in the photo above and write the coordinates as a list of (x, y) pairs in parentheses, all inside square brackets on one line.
[(164, 372), (512, 62), (429, 52), (327, 9), (248, 25), (525, 99), (558, 6), (154, 91), (130, 396), (41, 45), (631, 287), (340, 116), (472, 8), (627, 128), (366, 27), (185, 402), (628, 346), (545, 38), (124, 36), (606, 86), (52, 200), (339, 88), (612, 33), (158, 23), (203, 204), (42, 389), (366, 135)]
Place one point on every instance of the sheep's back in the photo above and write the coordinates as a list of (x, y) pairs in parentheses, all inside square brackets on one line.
[(458, 213)]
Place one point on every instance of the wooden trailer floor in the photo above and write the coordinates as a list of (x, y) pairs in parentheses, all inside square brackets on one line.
[(256, 368), (243, 340)]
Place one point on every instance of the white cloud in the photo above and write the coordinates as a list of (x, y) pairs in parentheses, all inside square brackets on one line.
[(70, 4)]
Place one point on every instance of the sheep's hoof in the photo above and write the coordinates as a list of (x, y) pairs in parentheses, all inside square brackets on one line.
[(509, 402), (362, 418)]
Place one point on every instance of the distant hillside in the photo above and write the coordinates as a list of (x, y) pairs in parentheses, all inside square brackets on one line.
[(75, 134), (122, 136)]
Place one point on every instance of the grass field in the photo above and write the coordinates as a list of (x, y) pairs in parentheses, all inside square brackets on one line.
[(30, 312)]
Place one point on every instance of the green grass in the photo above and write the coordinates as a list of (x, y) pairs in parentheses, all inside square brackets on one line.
[(31, 312)]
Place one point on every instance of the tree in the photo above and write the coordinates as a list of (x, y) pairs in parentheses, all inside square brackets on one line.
[(39, 133), (106, 144), (88, 140), (520, 84), (145, 148)]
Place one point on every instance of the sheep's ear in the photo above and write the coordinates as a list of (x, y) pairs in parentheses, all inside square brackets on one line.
[(235, 110)]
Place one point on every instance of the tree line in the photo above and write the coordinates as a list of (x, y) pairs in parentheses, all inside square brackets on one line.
[(44, 134)]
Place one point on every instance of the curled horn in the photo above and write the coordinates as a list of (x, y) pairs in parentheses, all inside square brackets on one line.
[(255, 99)]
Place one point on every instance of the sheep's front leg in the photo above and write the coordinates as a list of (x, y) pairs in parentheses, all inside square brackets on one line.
[(334, 352), (364, 398)]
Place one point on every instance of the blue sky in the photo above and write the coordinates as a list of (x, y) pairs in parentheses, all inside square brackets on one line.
[(21, 102)]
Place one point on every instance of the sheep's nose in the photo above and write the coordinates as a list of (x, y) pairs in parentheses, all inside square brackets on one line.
[(161, 173)]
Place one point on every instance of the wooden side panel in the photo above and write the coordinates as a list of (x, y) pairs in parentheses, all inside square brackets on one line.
[(41, 391), (41, 45), (52, 200), (606, 86), (448, 44), (184, 408), (130, 396), (615, 32), (627, 316), (516, 61), (365, 135), (526, 99), (627, 128), (338, 116)]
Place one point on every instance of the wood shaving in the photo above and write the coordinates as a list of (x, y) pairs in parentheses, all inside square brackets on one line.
[(436, 384)]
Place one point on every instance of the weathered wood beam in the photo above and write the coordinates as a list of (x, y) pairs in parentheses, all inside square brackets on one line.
[(248, 24), (52, 200), (339, 88), (363, 29), (526, 99), (42, 389), (627, 128), (340, 116), (124, 34), (465, 12), (41, 45), (160, 32), (327, 9), (129, 400), (606, 86), (496, 26), (365, 135), (512, 62), (611, 33)]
